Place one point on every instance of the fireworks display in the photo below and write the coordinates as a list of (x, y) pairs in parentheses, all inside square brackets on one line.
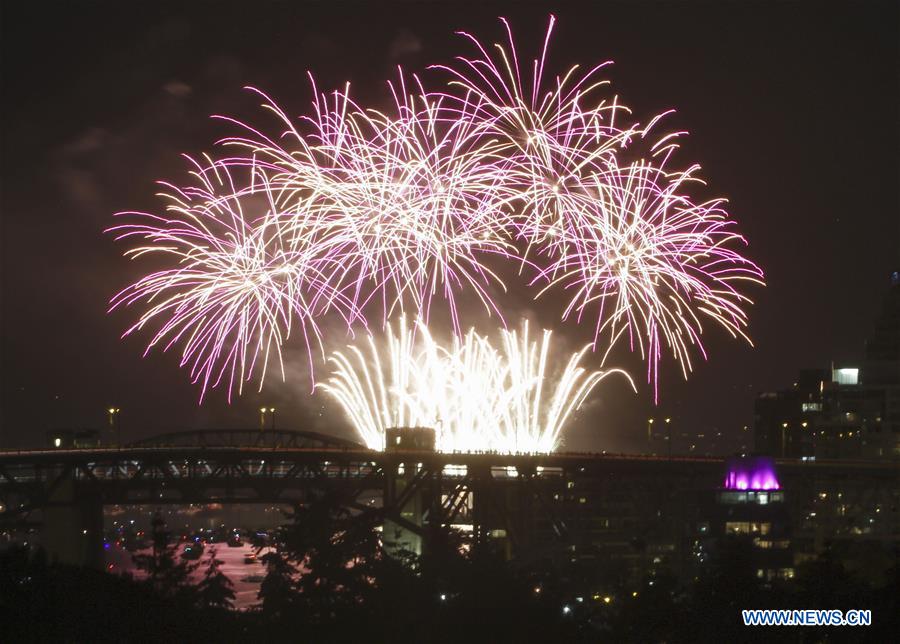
[(363, 216), (476, 397)]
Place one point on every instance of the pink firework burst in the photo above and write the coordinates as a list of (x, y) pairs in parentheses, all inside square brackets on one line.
[(366, 214), (405, 205), (653, 265), (623, 238), (233, 288)]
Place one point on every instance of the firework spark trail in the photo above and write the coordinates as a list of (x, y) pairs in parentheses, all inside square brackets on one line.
[(370, 213), (235, 289), (549, 139), (622, 236), (477, 397), (654, 265), (402, 200)]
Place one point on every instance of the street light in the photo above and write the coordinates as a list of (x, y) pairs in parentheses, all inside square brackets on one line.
[(262, 417), (649, 435), (113, 413)]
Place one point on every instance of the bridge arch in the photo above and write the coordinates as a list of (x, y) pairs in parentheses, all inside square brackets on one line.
[(273, 438)]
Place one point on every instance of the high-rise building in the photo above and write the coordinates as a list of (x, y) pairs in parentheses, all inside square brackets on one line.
[(853, 411), (749, 509), (881, 365)]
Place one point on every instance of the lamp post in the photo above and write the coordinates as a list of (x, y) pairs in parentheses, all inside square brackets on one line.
[(262, 417), (649, 436), (113, 413)]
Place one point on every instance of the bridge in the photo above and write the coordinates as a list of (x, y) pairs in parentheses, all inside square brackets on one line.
[(275, 438), (530, 502)]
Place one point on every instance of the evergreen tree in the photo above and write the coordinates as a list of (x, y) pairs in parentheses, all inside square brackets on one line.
[(166, 574), (340, 555), (278, 590), (342, 583), (215, 590)]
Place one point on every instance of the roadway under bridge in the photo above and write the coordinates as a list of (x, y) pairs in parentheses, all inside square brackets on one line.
[(532, 503)]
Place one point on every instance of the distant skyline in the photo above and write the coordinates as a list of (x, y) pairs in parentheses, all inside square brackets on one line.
[(792, 110)]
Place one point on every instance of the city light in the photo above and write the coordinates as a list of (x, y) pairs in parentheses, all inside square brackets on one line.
[(751, 473), (263, 411)]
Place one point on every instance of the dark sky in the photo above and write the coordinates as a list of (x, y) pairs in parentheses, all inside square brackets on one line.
[(792, 109)]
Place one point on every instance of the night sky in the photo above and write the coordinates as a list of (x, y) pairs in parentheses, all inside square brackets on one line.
[(792, 109)]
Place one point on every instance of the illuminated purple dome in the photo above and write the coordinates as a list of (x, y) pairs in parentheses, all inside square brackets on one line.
[(751, 473)]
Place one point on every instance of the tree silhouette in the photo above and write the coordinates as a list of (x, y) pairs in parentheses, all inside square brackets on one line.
[(215, 591), (337, 553), (166, 574), (649, 615), (729, 585), (278, 590)]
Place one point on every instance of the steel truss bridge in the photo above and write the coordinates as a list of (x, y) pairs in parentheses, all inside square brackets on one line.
[(530, 501)]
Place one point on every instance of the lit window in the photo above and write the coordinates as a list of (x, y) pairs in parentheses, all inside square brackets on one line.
[(731, 498), (847, 376), (745, 527), (737, 527)]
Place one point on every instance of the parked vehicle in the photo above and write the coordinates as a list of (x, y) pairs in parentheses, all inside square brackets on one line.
[(193, 550)]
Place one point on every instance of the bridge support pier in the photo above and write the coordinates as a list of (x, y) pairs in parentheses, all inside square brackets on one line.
[(72, 531), (402, 533)]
